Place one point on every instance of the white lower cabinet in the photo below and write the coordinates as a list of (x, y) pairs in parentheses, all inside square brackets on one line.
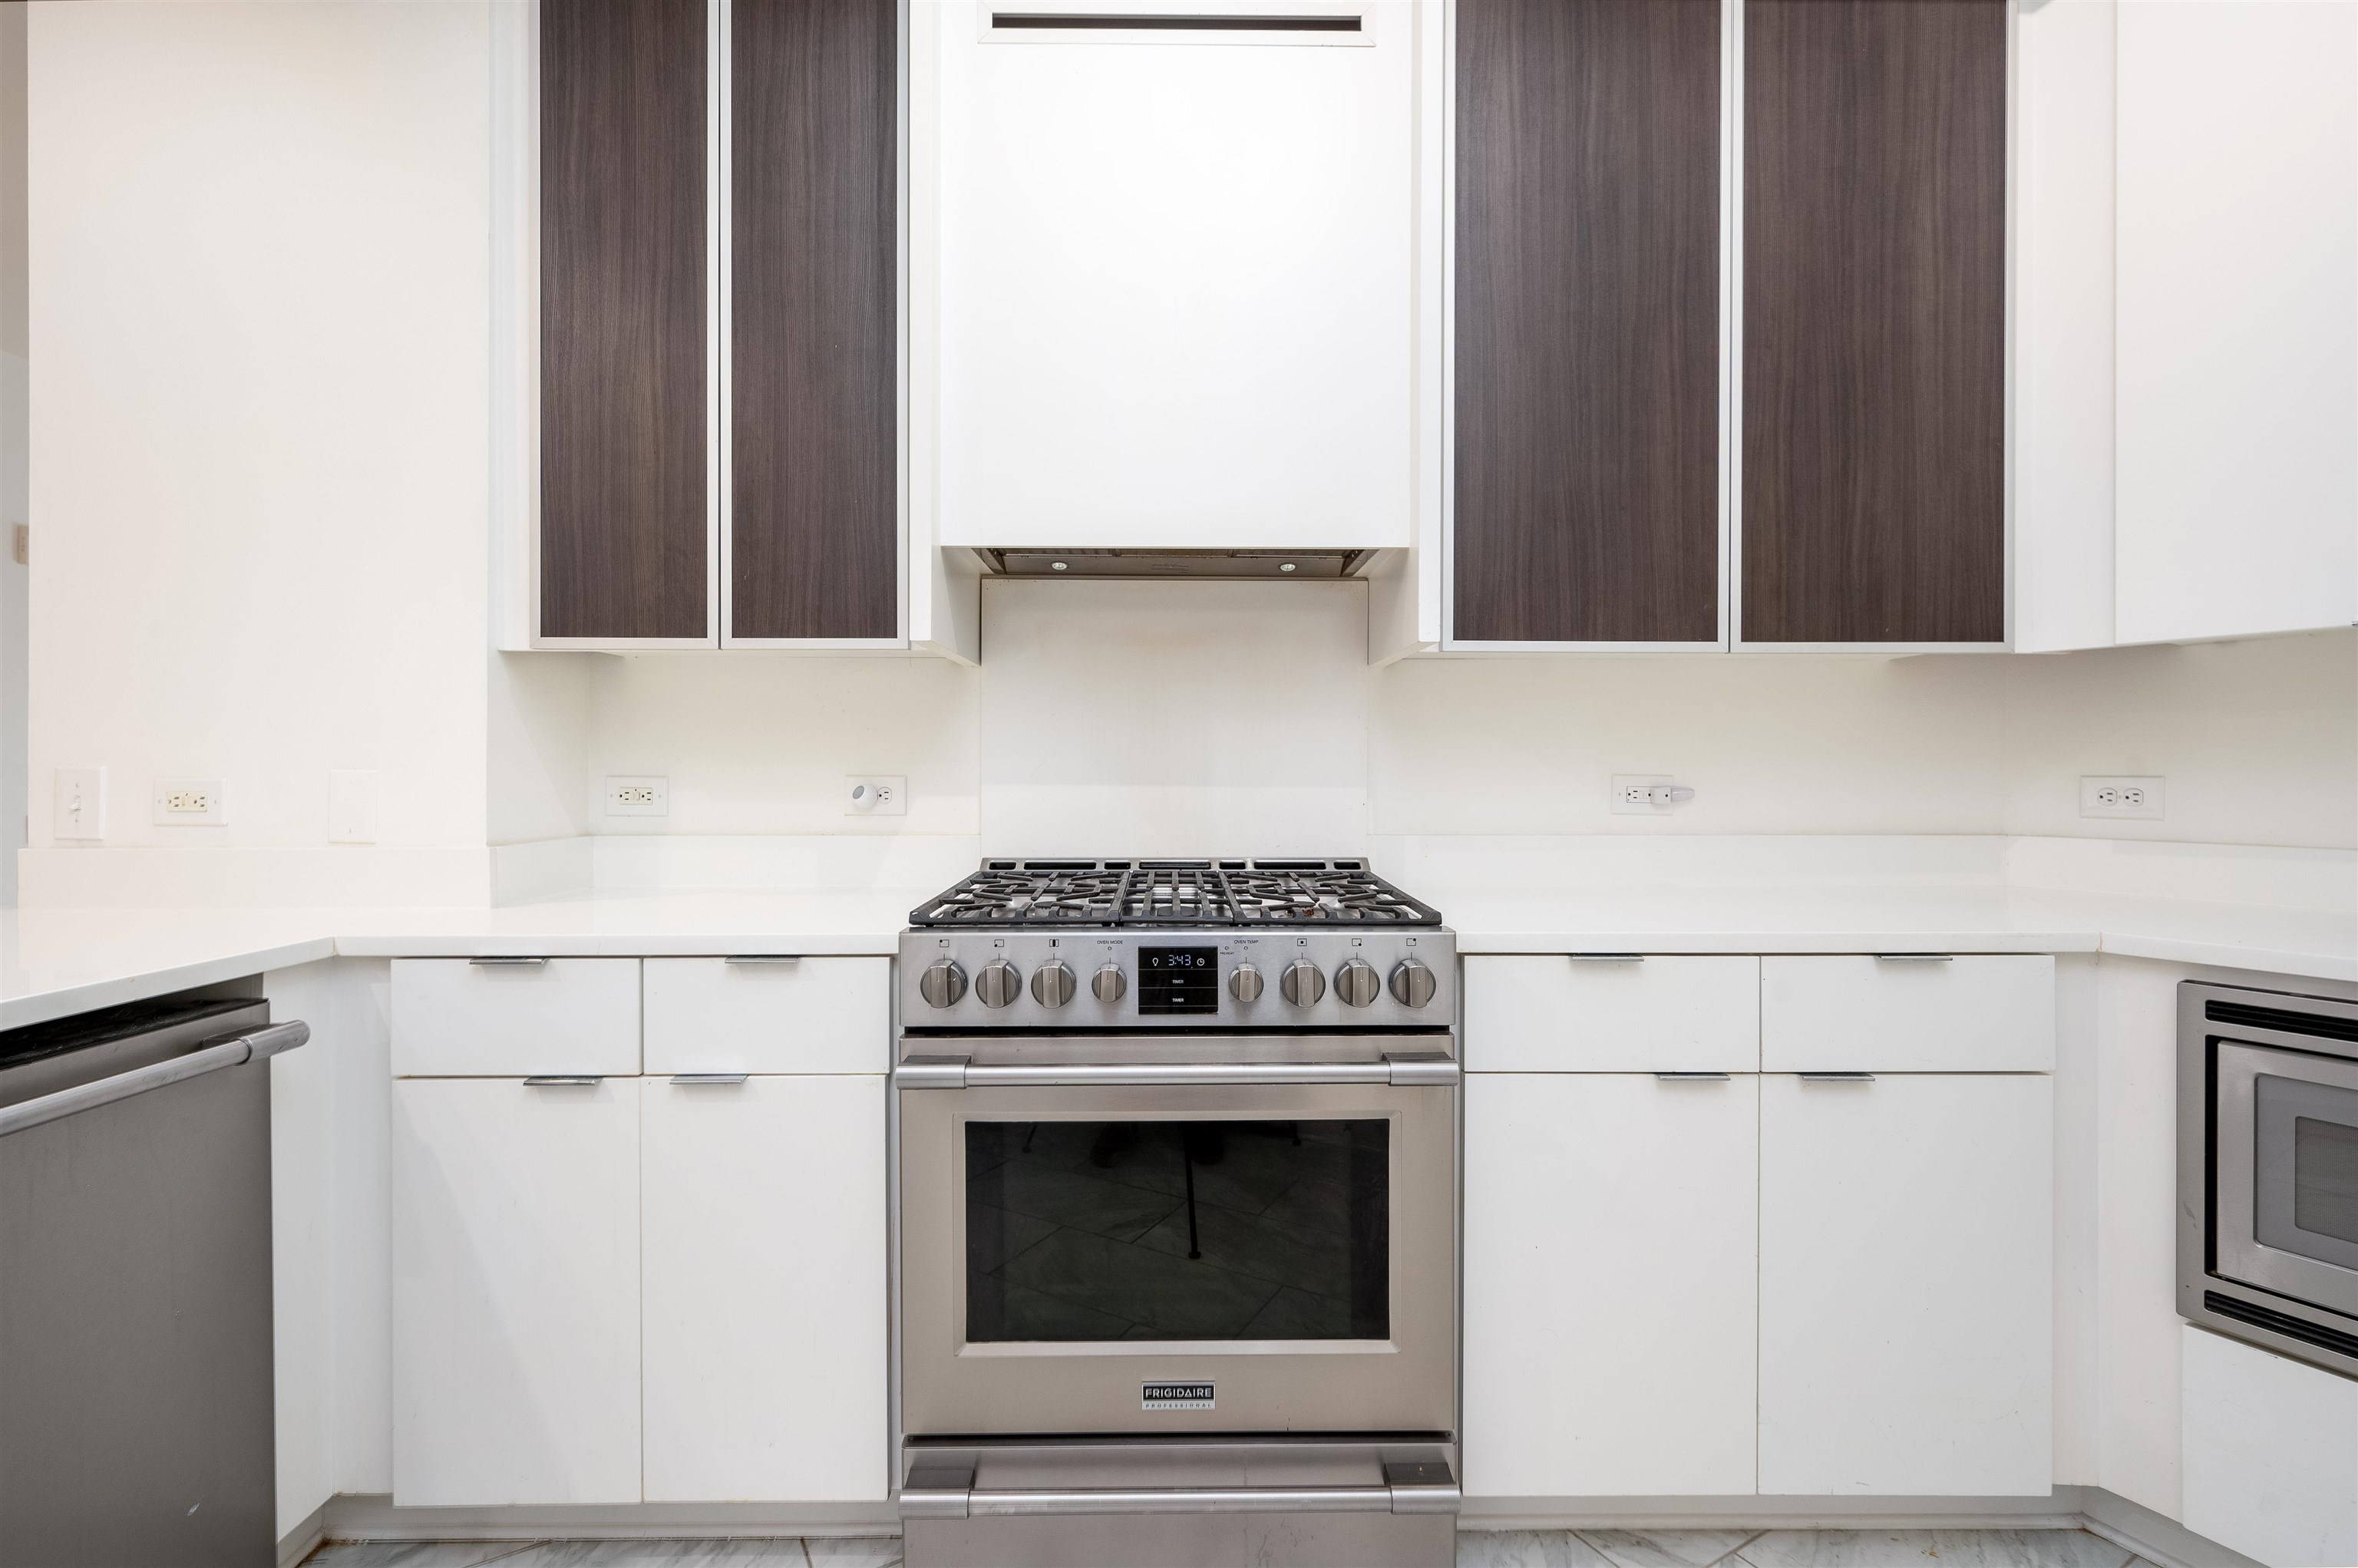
[(1905, 1285), (515, 1292), (2271, 1453), (765, 1226), (1609, 1284)]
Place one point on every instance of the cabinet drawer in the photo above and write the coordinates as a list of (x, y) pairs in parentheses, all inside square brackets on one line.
[(456, 1018), (1664, 1012), (1854, 1013), (811, 1016)]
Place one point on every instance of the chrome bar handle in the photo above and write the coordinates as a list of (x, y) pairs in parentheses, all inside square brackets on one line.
[(1915, 957), (1693, 1078), (505, 960), (691, 1080), (1406, 1069), (763, 958), (1835, 1077), (1605, 957), (937, 1502), (253, 1047), (565, 1080)]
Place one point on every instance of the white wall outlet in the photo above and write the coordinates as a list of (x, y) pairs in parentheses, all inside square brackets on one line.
[(352, 805), (875, 795), (1647, 794), (639, 795), (78, 805), (191, 803), (2115, 794)]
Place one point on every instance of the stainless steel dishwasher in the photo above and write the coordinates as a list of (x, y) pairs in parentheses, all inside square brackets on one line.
[(136, 1396)]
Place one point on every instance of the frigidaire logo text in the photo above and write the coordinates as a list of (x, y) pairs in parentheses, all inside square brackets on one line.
[(1175, 1397)]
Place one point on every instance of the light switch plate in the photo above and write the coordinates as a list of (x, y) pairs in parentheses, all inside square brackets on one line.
[(352, 805), (875, 795), (190, 803), (78, 805), (638, 794)]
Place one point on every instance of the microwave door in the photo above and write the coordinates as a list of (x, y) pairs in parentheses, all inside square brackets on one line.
[(2287, 1214)]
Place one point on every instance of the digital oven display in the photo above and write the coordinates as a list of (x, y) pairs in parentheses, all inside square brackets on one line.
[(1178, 980)]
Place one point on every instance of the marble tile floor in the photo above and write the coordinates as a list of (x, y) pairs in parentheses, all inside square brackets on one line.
[(1476, 1549)]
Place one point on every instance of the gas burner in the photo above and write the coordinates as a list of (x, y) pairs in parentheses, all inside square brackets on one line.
[(1047, 893)]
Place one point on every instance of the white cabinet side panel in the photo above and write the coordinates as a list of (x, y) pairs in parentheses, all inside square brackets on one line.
[(2238, 318), (765, 1289), (516, 1292), (1610, 1285), (1907, 1273)]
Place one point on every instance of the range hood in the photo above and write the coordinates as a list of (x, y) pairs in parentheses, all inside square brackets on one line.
[(1172, 280)]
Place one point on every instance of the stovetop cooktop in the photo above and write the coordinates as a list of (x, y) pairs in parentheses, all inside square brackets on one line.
[(1037, 895)]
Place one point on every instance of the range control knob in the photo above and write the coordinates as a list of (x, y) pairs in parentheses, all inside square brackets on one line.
[(1052, 984), (942, 983), (1108, 984), (997, 983), (1411, 983), (1358, 983), (1244, 983), (1302, 982)]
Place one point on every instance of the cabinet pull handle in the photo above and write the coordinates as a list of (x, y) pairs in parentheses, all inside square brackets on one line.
[(1693, 1078), (690, 1080), (1606, 958), (763, 958), (1915, 957), (1835, 1077), (503, 961), (565, 1081)]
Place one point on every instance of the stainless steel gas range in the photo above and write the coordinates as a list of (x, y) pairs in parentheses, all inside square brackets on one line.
[(1178, 1216)]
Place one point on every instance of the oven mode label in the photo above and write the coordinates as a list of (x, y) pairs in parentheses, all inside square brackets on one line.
[(1176, 1396)]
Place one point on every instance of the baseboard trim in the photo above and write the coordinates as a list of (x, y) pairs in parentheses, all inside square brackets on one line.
[(351, 1517), (2155, 1537), (2060, 1510), (304, 1538)]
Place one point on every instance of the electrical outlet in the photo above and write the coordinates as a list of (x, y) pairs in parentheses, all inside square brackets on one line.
[(352, 805), (875, 795), (638, 796), (191, 803), (2110, 795), (78, 805), (1646, 794)]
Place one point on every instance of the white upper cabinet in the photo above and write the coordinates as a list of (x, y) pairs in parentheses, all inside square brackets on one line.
[(2238, 318), (1172, 272)]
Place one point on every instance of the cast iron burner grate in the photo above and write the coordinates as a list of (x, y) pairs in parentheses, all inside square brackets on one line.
[(1037, 894)]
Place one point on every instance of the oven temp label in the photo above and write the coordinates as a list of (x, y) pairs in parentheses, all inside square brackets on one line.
[(1176, 1397)]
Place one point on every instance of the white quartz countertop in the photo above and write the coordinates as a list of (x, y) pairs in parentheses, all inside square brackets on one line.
[(54, 963)]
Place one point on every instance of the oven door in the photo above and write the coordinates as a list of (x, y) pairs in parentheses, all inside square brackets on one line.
[(1251, 1249), (2286, 1214)]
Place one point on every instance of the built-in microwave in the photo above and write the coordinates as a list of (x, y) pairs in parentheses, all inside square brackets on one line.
[(2267, 1170)]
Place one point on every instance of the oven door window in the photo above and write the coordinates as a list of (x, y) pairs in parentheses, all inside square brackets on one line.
[(2305, 1168), (1194, 1231)]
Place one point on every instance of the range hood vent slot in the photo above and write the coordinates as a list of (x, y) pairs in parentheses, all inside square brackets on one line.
[(1282, 566), (1345, 26)]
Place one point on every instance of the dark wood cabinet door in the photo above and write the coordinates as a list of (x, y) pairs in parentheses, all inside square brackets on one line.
[(1873, 384), (814, 531), (622, 485), (1587, 322)]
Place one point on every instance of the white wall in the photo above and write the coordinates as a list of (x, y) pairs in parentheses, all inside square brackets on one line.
[(1146, 717), (14, 578), (259, 263)]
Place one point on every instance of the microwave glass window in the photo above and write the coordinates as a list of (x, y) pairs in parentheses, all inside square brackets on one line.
[(2325, 1177), (1086, 1231)]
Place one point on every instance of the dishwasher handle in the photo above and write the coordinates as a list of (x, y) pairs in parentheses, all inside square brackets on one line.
[(1401, 1069), (233, 1053)]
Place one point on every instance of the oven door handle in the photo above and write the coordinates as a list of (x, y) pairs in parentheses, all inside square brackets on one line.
[(950, 1502), (1402, 1069)]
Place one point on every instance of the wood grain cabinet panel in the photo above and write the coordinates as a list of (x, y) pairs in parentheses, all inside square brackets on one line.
[(622, 490), (1874, 339), (1587, 322), (814, 493)]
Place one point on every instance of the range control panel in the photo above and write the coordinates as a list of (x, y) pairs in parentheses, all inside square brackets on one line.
[(1177, 979)]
